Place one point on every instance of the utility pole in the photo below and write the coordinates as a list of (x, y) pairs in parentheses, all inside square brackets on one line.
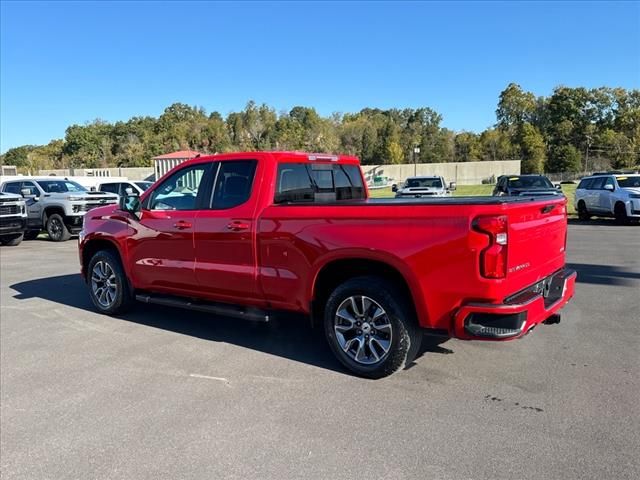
[(586, 158), (416, 150)]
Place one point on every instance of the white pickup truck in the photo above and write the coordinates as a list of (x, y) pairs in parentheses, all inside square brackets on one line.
[(424, 186)]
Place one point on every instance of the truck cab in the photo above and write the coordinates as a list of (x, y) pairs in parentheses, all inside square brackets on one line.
[(13, 219), (424, 186)]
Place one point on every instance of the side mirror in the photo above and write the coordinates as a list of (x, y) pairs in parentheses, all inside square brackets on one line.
[(453, 186), (130, 202), (558, 186), (394, 188), (26, 193), (609, 187)]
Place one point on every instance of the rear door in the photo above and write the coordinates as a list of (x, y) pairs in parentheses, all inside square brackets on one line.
[(225, 234), (593, 196), (605, 196), (162, 252)]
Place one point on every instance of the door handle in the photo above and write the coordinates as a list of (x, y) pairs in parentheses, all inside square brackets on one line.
[(238, 225), (181, 225)]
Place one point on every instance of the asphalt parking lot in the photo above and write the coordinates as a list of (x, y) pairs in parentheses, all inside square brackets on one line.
[(164, 393)]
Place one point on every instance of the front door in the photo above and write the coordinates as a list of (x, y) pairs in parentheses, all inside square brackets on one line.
[(162, 250), (225, 235)]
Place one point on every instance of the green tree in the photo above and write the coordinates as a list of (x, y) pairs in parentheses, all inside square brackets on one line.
[(532, 149), (564, 158), (515, 106)]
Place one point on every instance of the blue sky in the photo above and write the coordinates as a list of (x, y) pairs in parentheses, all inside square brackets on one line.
[(66, 63)]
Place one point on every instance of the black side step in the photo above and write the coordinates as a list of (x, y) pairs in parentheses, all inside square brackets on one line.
[(224, 310)]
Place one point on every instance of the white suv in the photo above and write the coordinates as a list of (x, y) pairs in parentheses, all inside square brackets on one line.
[(609, 195)]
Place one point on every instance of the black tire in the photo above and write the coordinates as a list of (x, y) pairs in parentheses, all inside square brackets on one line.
[(583, 214), (13, 241), (123, 298), (56, 229), (404, 332), (31, 234), (620, 212)]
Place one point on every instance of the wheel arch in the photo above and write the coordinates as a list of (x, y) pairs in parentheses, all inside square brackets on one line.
[(338, 270), (51, 210), (92, 246)]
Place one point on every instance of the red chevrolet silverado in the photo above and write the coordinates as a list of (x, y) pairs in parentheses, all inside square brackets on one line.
[(252, 234)]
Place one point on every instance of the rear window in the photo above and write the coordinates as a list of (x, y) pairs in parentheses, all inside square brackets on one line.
[(305, 183), (530, 182)]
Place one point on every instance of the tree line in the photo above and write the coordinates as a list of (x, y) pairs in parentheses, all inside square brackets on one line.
[(571, 130)]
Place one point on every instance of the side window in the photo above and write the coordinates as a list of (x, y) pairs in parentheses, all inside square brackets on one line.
[(109, 187), (609, 181), (122, 188), (597, 183), (181, 191), (33, 190), (294, 183), (300, 182), (234, 180), (348, 182), (13, 187)]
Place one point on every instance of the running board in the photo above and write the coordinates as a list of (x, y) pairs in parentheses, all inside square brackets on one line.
[(224, 310)]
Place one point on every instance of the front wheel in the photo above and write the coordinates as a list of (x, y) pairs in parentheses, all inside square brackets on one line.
[(108, 285), (56, 229), (369, 327), (620, 212)]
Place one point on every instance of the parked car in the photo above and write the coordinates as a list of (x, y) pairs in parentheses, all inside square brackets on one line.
[(55, 204), (13, 219), (609, 195), (120, 187), (424, 186), (515, 185), (249, 235)]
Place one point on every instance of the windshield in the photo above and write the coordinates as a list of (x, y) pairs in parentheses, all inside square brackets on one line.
[(529, 182), (60, 186), (628, 182), (143, 185), (424, 183)]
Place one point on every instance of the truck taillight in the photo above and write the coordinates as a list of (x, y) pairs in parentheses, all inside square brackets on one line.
[(493, 259)]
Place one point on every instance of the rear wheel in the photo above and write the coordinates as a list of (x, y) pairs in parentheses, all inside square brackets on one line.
[(108, 285), (583, 214), (56, 229), (369, 327), (12, 241), (620, 212)]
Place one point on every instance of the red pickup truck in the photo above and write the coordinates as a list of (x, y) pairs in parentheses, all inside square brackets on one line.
[(252, 234)]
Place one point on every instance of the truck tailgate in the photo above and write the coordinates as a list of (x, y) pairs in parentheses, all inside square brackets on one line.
[(537, 241)]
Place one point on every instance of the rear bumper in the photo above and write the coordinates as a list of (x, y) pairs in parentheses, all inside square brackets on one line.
[(518, 314)]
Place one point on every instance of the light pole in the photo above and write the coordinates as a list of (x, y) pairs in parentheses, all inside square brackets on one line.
[(416, 150)]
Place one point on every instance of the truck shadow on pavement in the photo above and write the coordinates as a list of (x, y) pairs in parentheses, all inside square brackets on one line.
[(605, 275), (288, 337)]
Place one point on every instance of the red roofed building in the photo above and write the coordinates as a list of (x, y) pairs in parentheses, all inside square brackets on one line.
[(163, 163)]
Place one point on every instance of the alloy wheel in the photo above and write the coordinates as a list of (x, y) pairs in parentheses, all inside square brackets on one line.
[(103, 284), (363, 329)]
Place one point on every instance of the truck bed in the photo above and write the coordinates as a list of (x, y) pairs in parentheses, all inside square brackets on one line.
[(432, 201)]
